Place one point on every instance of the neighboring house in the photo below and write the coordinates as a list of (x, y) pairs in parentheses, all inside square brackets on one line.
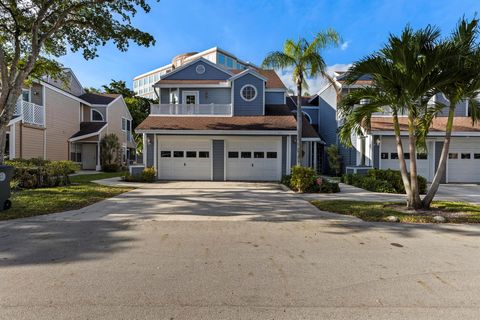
[(58, 121), (377, 149), (143, 84), (215, 123)]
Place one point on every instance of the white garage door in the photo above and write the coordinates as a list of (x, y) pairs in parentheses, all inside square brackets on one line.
[(463, 161), (182, 159), (255, 159), (389, 157)]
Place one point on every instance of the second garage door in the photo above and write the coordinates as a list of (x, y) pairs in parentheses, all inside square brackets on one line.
[(255, 159), (463, 161)]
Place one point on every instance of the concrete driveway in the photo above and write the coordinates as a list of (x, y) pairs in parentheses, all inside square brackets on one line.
[(232, 251)]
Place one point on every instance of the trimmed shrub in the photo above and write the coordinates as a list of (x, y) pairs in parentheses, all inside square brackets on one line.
[(147, 175), (386, 181), (38, 173), (311, 183), (302, 178)]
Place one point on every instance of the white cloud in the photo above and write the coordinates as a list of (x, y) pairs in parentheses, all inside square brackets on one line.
[(344, 45), (314, 84)]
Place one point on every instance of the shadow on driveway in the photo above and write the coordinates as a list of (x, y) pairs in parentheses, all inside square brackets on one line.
[(39, 242)]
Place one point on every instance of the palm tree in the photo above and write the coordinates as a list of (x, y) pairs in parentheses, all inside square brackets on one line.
[(463, 69), (405, 73), (305, 59)]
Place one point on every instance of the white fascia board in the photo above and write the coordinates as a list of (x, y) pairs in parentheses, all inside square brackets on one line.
[(248, 71), (186, 65), (222, 132), (13, 121), (120, 97), (193, 85), (313, 139), (88, 135)]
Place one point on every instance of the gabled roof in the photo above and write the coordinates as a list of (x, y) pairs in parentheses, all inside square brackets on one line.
[(306, 101), (99, 98), (273, 80), (245, 72), (186, 65)]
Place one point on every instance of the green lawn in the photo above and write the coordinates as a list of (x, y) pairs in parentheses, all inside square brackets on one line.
[(454, 212), (82, 192)]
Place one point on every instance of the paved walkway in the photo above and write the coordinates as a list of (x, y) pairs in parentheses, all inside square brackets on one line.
[(449, 192)]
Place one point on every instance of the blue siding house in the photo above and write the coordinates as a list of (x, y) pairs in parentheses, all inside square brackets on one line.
[(214, 123)]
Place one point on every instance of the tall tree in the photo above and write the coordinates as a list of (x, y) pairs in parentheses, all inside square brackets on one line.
[(34, 32), (463, 68), (405, 73), (305, 58)]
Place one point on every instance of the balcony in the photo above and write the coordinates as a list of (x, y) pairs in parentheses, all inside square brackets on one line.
[(191, 109), (31, 113)]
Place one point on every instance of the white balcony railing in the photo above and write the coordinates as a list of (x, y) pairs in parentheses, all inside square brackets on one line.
[(191, 109), (31, 113)]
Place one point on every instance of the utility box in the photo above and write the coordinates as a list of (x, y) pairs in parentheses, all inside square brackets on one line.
[(6, 174)]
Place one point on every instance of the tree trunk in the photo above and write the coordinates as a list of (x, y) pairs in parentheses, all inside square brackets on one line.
[(299, 124), (442, 166), (401, 159), (7, 107), (415, 201)]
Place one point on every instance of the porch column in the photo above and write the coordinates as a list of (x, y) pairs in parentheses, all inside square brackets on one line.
[(315, 156), (98, 167)]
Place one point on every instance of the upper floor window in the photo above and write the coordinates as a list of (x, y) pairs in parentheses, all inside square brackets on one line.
[(229, 62), (221, 59), (248, 92), (26, 95), (96, 115)]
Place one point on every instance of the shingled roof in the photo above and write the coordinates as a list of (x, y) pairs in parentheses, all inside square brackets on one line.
[(87, 128), (460, 124), (277, 118), (99, 98)]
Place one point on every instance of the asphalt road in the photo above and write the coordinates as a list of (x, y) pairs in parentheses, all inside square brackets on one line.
[(206, 262)]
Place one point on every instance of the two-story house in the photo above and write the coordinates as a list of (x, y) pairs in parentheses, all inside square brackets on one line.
[(377, 148), (58, 120), (215, 123)]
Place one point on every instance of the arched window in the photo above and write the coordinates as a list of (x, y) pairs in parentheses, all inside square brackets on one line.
[(96, 115), (307, 116)]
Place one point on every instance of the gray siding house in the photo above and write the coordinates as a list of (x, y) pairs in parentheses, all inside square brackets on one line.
[(377, 149), (214, 123)]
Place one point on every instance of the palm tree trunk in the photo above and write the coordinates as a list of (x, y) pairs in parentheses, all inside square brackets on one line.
[(401, 159), (415, 201), (299, 124), (442, 166)]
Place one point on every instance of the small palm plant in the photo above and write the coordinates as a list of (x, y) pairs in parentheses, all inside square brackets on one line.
[(306, 60)]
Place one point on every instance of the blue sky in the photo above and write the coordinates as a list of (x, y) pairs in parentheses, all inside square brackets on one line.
[(252, 28)]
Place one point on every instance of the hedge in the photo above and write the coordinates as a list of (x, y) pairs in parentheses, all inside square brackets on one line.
[(38, 173), (305, 179), (385, 181)]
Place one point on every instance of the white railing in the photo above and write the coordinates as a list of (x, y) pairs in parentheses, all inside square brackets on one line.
[(191, 109), (31, 113)]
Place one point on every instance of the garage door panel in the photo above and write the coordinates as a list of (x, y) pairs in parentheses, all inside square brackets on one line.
[(463, 161), (181, 159), (254, 159)]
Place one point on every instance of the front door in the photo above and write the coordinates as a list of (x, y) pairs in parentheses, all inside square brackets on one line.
[(89, 156), (190, 97)]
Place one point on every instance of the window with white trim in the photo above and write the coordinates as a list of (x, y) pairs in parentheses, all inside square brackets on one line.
[(97, 116), (200, 69), (248, 92)]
